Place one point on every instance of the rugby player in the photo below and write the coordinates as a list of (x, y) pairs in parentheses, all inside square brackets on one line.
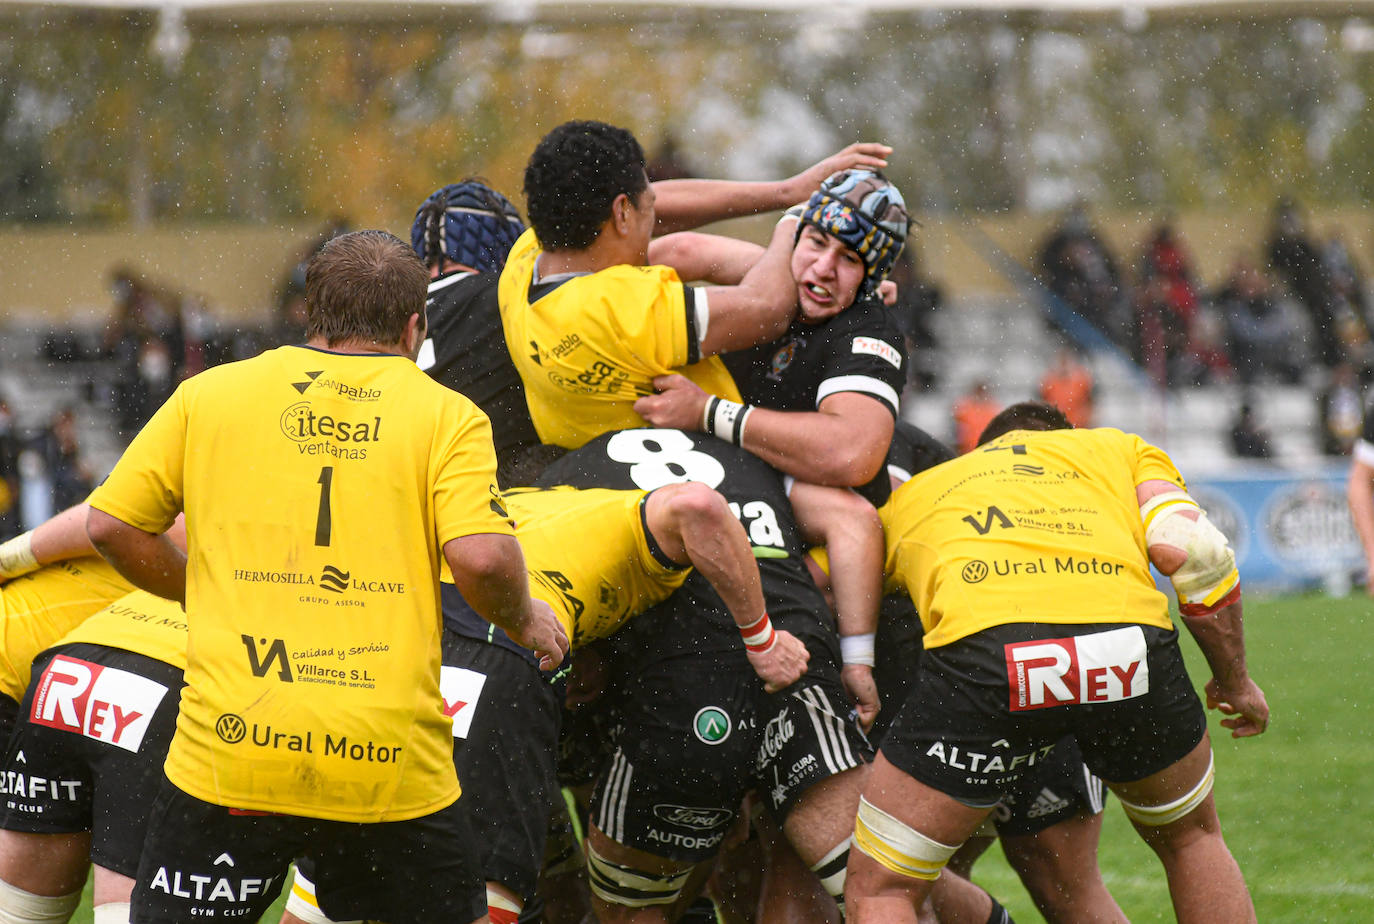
[(1359, 492), (85, 760), (697, 729), (589, 322), (463, 232), (819, 402), (323, 486), (1040, 607), (506, 714)]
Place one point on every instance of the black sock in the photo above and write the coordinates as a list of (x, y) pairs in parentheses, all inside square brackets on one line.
[(999, 914)]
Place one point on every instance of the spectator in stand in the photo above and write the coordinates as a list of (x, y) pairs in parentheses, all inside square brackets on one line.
[(668, 163), (1340, 411), (1077, 267), (1300, 264), (1249, 440), (972, 412), (1261, 338), (917, 301), (1347, 282), (148, 338), (1069, 386), (1178, 340), (289, 323), (60, 449)]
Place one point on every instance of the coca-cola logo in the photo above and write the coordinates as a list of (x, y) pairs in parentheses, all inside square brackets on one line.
[(776, 733), (699, 819)]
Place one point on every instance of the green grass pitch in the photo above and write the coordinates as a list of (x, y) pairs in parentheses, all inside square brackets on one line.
[(1292, 806)]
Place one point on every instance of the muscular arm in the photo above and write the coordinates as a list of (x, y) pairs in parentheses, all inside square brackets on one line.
[(693, 525), (489, 571), (710, 258), (147, 560), (1221, 637), (1359, 494), (761, 307), (843, 443), (685, 204)]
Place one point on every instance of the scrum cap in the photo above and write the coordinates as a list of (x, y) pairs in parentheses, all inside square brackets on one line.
[(867, 214), (468, 223)]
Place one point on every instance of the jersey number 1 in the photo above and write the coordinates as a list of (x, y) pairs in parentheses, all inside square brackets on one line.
[(323, 524)]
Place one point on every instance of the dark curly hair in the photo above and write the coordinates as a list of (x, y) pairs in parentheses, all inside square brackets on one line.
[(574, 175), (1025, 415)]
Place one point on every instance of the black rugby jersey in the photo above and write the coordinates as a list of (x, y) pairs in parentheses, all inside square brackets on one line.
[(465, 350), (694, 620)]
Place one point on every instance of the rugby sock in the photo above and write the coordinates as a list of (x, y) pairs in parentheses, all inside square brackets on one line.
[(500, 909), (20, 907), (112, 913), (999, 914), (831, 869)]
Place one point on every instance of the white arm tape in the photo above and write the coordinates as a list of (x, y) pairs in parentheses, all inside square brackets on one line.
[(1208, 573), (857, 649), (701, 311), (16, 556)]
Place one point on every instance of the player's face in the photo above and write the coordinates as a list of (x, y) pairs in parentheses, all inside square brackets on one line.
[(828, 275), (642, 222)]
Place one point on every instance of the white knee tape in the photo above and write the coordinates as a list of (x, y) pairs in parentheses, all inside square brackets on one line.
[(112, 913), (1155, 815), (302, 902), (20, 907), (831, 869), (621, 885), (1208, 574), (897, 846)]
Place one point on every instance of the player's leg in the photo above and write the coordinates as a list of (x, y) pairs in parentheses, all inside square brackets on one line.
[(905, 833), (1049, 822), (1174, 811), (632, 886), (41, 876), (1058, 866)]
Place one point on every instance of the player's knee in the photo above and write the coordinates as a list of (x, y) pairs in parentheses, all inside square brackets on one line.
[(112, 913), (622, 885), (1154, 816), (898, 847), (20, 907)]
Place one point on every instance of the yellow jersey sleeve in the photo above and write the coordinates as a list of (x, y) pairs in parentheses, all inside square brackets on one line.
[(147, 491), (593, 587), (587, 349)]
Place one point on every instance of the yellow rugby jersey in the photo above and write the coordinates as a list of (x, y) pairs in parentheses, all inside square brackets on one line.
[(593, 587), (319, 490), (589, 348), (39, 608), (1035, 526), (140, 622)]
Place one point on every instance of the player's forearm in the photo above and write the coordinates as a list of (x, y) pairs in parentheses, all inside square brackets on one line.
[(849, 528), (709, 258), (1221, 638), (489, 571), (724, 557), (63, 536), (681, 205), (147, 560)]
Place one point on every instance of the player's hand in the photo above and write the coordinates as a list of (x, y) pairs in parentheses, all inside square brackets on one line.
[(1244, 703), (869, 154), (858, 683), (782, 665), (544, 635), (887, 291), (679, 405)]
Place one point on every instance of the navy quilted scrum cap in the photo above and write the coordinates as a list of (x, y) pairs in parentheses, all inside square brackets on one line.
[(478, 228)]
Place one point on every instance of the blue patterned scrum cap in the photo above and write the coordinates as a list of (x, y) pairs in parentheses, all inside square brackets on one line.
[(479, 226), (867, 214)]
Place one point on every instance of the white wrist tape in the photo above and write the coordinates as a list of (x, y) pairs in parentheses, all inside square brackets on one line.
[(725, 419), (1208, 574), (16, 556), (857, 649)]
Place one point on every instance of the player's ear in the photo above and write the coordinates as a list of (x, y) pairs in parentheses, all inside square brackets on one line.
[(622, 210)]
